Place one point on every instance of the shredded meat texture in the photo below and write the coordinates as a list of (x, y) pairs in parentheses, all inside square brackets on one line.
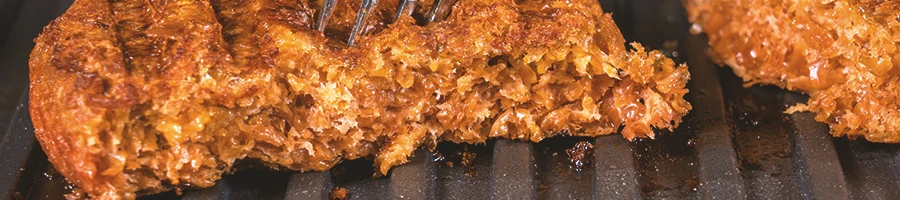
[(843, 53), (339, 193), (134, 97), (580, 155)]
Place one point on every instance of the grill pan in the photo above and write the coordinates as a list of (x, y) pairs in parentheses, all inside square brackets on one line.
[(734, 144)]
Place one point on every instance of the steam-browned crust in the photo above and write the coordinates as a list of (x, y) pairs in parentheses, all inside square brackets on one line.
[(843, 53), (139, 96)]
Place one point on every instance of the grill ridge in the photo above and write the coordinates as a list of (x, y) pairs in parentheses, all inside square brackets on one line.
[(311, 185), (415, 179), (818, 165), (512, 174), (614, 173)]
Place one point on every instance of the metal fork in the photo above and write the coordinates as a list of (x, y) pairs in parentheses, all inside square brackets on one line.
[(439, 11)]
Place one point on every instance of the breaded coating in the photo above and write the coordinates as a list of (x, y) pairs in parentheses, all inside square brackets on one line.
[(843, 53), (134, 97)]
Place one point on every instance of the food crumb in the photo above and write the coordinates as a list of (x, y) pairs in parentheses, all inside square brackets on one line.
[(339, 193), (579, 155), (468, 162), (460, 156), (800, 107)]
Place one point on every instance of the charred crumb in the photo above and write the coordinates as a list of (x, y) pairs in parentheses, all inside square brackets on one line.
[(339, 193), (579, 155), (542, 187), (16, 195), (459, 156), (468, 163), (338, 172)]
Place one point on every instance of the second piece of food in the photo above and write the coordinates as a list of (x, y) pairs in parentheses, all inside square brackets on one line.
[(843, 53)]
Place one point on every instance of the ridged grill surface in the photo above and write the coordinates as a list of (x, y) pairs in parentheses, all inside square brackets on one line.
[(735, 143)]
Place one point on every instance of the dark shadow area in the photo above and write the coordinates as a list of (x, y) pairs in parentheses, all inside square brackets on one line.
[(457, 179), (871, 169), (558, 177), (761, 138), (358, 177)]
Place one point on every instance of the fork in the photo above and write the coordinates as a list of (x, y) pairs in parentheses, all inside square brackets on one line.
[(439, 11)]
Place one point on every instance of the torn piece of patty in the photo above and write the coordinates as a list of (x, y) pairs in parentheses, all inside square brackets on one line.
[(843, 53), (138, 97)]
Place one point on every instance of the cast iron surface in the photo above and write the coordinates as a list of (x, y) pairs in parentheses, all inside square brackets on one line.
[(735, 144)]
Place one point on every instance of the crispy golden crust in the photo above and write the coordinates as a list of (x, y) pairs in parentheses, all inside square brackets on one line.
[(843, 53), (134, 96)]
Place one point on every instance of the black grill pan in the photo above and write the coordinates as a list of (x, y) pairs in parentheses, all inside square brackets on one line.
[(735, 143)]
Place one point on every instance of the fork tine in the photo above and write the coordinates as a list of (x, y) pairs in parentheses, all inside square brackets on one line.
[(404, 8), (439, 10), (364, 10), (324, 14)]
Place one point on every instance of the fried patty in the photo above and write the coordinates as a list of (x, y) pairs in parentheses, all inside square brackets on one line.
[(843, 53), (133, 97)]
